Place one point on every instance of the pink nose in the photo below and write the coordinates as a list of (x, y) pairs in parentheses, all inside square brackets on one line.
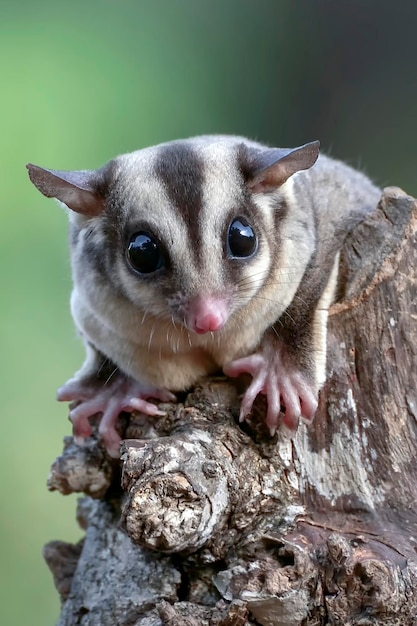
[(207, 314), (209, 322)]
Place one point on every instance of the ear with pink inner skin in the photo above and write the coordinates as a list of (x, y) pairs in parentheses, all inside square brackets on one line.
[(79, 190), (270, 168)]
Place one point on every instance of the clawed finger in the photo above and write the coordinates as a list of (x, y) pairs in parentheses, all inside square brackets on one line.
[(80, 423), (274, 407), (291, 401), (247, 365), (249, 398), (138, 404), (73, 390)]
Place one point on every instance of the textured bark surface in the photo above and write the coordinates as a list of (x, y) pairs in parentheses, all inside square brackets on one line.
[(205, 522)]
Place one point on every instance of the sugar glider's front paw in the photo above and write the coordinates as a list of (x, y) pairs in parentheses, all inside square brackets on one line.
[(290, 395), (111, 398)]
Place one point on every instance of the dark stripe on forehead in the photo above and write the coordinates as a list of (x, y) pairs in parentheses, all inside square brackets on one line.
[(181, 171)]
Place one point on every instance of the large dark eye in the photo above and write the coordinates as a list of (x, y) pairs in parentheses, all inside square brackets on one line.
[(242, 241), (145, 254)]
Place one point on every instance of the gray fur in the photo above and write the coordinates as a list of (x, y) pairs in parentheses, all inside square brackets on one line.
[(187, 193)]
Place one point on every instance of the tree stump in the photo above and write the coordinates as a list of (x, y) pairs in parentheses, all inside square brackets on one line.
[(208, 522)]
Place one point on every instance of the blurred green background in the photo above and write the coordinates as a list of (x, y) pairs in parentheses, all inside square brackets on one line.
[(82, 81)]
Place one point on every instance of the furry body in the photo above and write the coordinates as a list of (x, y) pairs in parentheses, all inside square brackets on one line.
[(206, 308)]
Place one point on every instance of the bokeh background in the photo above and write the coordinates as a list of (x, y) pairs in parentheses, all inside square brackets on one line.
[(84, 80)]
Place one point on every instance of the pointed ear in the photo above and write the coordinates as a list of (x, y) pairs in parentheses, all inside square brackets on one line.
[(79, 190), (270, 168)]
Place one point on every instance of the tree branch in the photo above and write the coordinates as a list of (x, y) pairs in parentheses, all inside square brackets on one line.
[(227, 525)]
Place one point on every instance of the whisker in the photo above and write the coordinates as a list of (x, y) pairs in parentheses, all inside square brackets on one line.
[(274, 330), (110, 376), (151, 334)]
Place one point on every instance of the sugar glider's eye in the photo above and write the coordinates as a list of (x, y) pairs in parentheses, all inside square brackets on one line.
[(242, 241), (144, 253)]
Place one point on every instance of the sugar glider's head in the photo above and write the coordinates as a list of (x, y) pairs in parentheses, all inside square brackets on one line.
[(186, 230)]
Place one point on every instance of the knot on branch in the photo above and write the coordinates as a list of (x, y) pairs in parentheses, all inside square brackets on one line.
[(189, 480), (82, 469), (180, 490)]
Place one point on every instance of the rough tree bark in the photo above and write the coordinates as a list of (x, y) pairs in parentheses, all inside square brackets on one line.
[(205, 522)]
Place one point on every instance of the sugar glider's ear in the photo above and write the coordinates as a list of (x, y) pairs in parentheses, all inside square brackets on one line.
[(79, 190), (269, 168)]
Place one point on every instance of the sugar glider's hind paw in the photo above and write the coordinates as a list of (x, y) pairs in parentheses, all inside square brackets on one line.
[(120, 394), (290, 395)]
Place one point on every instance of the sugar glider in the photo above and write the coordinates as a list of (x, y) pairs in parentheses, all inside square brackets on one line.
[(209, 253)]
